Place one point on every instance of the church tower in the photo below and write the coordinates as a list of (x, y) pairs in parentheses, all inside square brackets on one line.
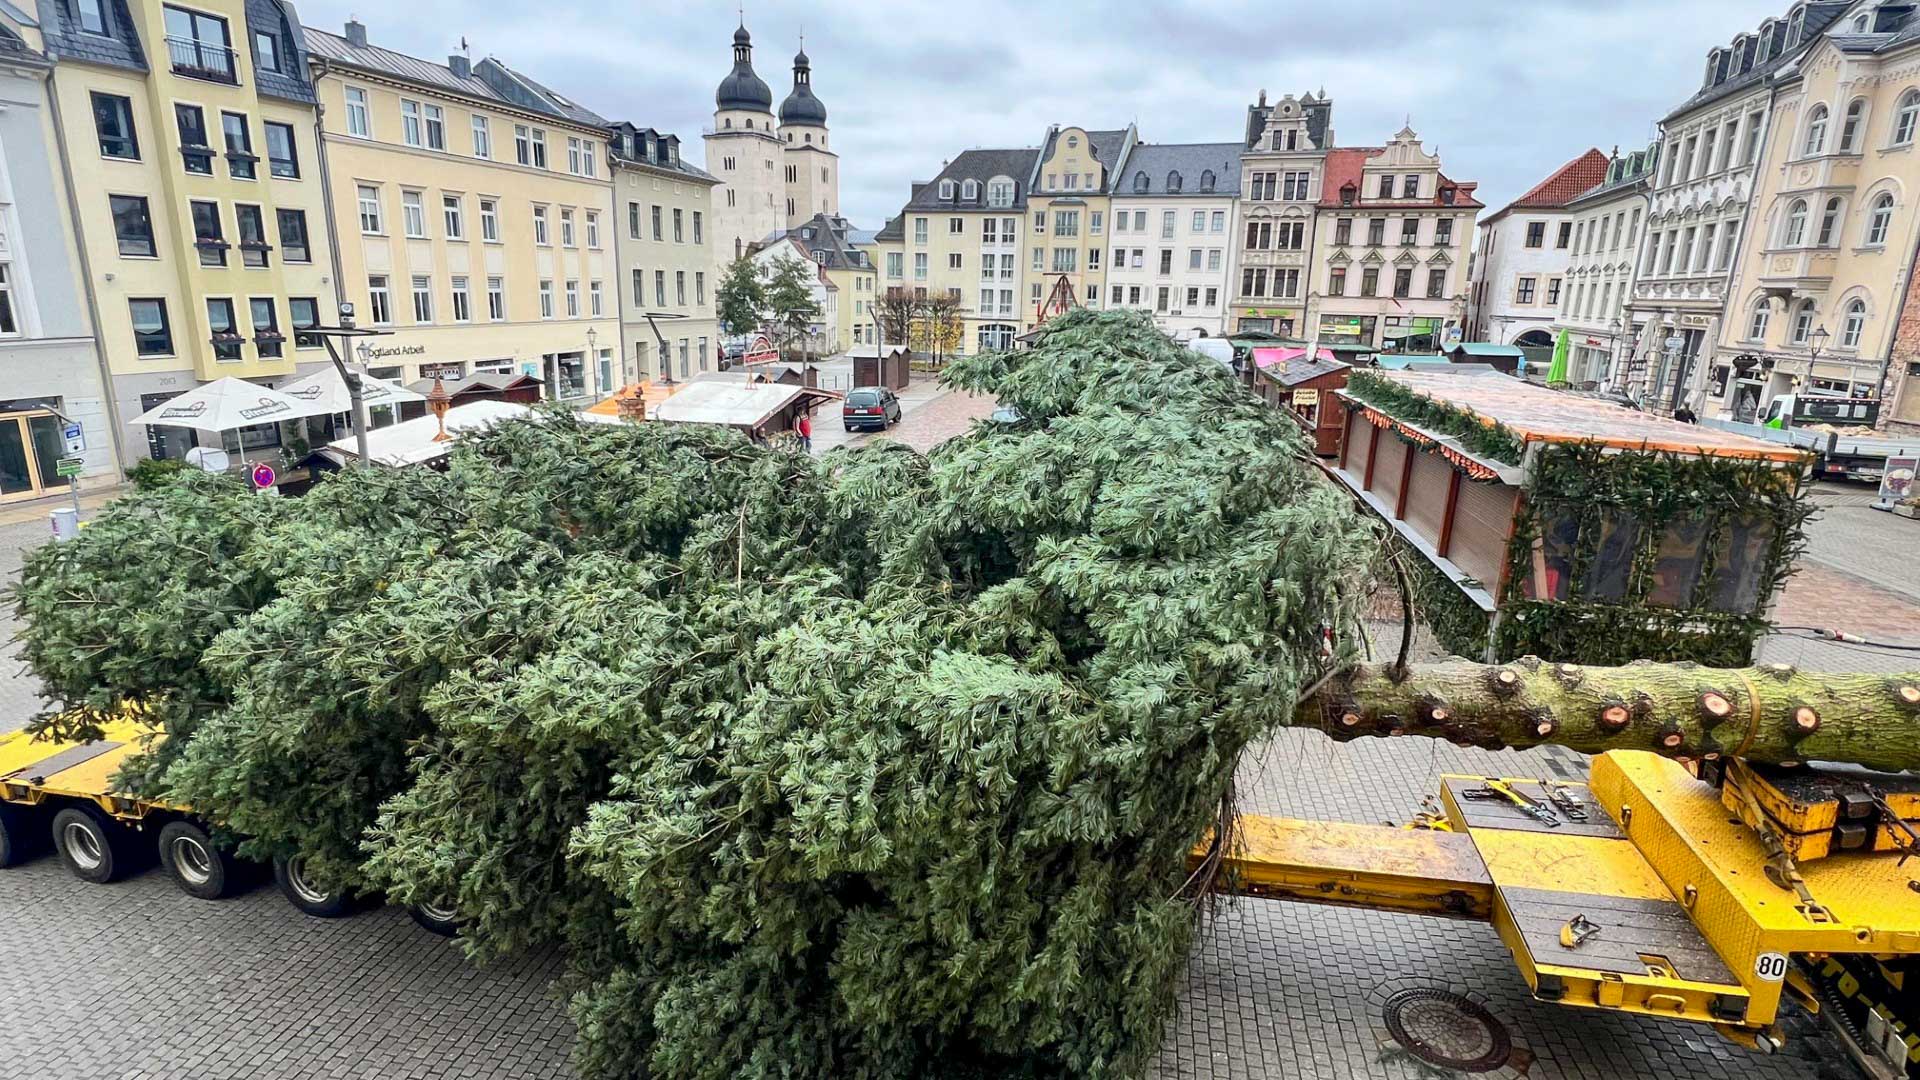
[(744, 152), (812, 169)]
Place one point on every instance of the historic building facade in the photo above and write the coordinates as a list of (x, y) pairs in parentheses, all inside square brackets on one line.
[(475, 218), (1389, 266), (663, 242), (187, 135), (1282, 159), (1607, 221), (773, 174), (835, 247), (964, 233), (1172, 230), (1071, 183), (1524, 249), (50, 368)]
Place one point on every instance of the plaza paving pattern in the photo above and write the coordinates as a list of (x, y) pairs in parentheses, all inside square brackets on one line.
[(136, 981)]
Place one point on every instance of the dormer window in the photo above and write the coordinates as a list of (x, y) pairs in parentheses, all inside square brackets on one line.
[(1861, 23), (1447, 196), (1206, 181), (1173, 182), (93, 16), (970, 190), (1000, 192), (1348, 192), (1141, 184), (946, 191), (1765, 52)]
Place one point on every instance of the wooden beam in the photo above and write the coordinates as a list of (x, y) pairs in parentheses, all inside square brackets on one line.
[(1406, 480), (1373, 453), (1453, 504)]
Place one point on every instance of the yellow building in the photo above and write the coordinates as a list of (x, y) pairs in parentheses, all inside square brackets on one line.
[(475, 216), (850, 274), (1068, 207), (667, 282), (187, 133), (1832, 228)]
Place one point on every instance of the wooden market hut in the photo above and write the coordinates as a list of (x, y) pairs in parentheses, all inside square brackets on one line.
[(754, 408), (1564, 526), (1303, 388), (891, 368), (513, 387)]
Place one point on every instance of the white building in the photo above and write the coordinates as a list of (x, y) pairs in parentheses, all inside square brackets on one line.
[(1282, 160), (1607, 222), (824, 336), (1524, 249), (1172, 236)]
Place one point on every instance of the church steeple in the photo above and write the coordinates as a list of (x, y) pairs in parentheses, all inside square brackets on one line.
[(742, 88), (801, 107)]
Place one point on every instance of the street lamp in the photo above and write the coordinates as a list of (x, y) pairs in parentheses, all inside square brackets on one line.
[(1614, 326), (347, 329), (1819, 339), (593, 354)]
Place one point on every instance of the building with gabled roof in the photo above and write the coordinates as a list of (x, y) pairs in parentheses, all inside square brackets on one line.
[(1521, 258), (663, 241), (1172, 231)]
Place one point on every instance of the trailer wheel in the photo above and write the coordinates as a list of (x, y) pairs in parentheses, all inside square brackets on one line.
[(306, 894), (193, 862), (92, 846), (23, 835), (436, 919)]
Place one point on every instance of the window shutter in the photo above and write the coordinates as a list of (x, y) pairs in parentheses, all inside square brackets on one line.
[(1389, 460), (1427, 497), (1481, 522)]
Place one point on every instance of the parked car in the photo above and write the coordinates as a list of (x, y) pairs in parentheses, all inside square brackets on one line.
[(869, 407)]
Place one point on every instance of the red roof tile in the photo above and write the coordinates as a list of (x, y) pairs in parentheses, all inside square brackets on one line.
[(1347, 165), (1567, 183)]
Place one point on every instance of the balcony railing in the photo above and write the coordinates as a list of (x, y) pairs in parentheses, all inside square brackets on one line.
[(197, 59)]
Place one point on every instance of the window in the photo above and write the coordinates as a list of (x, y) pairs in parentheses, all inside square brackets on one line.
[(539, 140), (1194, 256), (1443, 233), (593, 230), (1093, 258), (1553, 290), (679, 233), (453, 217), (573, 299), (540, 226), (953, 260), (1829, 222), (1337, 281), (660, 288), (1796, 229), (566, 227), (1751, 150), (1213, 259), (1726, 245), (195, 152), (93, 16), (659, 231), (436, 128), (152, 335), (1386, 186), (422, 298), (1167, 220), (226, 332), (303, 313), (482, 137), (1816, 141), (1065, 222), (680, 288), (1907, 118), (266, 326), (946, 189), (574, 164), (895, 270), (596, 302), (1566, 235), (1376, 231), (1166, 261), (379, 303), (283, 160), (1536, 234), (697, 229), (546, 299), (1293, 185), (1524, 294), (1403, 283), (1880, 220), (1436, 283), (1343, 231), (490, 221), (1706, 246), (1409, 231), (113, 123), (413, 214), (1854, 326), (359, 123), (240, 156), (497, 298), (920, 264), (523, 144), (198, 45), (294, 245), (1802, 322), (1370, 282), (207, 233), (133, 225), (1850, 129), (1684, 261), (410, 122), (369, 210), (587, 155)]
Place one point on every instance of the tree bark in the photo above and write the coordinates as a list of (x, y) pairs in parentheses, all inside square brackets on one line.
[(1772, 714)]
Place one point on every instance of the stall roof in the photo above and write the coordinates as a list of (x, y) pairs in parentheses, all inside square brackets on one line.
[(1299, 369), (411, 442), (735, 404), (1538, 414), (1482, 348)]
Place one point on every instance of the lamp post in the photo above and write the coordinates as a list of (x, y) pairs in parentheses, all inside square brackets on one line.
[(1817, 343), (347, 329), (593, 354), (1614, 326)]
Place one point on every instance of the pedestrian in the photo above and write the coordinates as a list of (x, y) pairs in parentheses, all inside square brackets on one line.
[(1685, 415), (805, 429)]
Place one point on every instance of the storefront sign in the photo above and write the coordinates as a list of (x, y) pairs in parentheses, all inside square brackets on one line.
[(1896, 481), (1695, 322), (1304, 398), (760, 351), (450, 371), (368, 352)]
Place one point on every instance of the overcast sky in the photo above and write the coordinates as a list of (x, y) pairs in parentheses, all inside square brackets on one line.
[(1506, 90)]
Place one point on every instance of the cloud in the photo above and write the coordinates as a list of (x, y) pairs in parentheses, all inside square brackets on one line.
[(1507, 91)]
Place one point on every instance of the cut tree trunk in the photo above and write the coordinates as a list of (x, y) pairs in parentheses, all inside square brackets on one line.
[(1774, 714)]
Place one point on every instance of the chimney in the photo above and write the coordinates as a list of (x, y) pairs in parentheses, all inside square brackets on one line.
[(1263, 97), (460, 66), (356, 33)]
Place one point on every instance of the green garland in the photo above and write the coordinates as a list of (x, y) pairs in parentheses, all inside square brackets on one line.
[(1456, 622), (1487, 438), (1652, 491)]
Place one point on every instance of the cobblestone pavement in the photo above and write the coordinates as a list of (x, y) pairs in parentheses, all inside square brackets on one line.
[(136, 981), (924, 424)]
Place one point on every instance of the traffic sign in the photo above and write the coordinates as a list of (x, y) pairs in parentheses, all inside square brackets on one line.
[(76, 440), (69, 466), (263, 475)]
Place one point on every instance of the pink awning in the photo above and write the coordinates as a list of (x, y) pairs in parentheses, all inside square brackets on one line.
[(1269, 357)]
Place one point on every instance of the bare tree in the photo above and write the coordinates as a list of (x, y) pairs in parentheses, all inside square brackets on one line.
[(897, 311), (944, 325)]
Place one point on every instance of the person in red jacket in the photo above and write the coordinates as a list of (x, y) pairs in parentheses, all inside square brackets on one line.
[(805, 430)]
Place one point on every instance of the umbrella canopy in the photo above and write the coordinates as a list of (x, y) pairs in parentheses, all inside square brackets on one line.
[(225, 404), (1561, 347), (326, 391)]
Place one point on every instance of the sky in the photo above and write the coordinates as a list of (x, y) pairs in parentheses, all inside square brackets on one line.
[(1506, 91)]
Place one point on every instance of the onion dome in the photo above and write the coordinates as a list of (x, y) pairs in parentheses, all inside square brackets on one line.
[(742, 89), (801, 107)]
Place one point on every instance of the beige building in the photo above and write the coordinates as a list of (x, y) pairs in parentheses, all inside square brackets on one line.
[(849, 271), (1282, 166), (666, 280), (187, 134), (474, 210), (1390, 250), (1602, 258), (1829, 245), (962, 233), (1070, 196)]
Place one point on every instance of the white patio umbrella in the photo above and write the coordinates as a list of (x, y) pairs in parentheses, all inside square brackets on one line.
[(225, 404), (326, 391)]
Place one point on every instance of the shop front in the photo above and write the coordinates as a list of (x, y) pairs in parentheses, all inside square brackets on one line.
[(1281, 322), (1419, 334), (30, 444), (1348, 330)]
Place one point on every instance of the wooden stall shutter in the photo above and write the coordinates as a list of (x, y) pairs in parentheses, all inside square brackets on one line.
[(1481, 521), (1390, 459), (1427, 495)]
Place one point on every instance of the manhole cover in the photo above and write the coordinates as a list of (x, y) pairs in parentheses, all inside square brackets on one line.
[(1448, 1030)]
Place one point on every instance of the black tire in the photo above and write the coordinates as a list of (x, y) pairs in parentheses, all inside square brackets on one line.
[(93, 846), (198, 867), (434, 920), (314, 899), (23, 834)]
